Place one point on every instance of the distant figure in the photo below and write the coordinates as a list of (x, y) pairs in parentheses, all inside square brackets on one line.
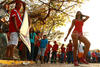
[(47, 52), (70, 52), (62, 53), (42, 48), (77, 34), (32, 41), (54, 52), (80, 50), (36, 45)]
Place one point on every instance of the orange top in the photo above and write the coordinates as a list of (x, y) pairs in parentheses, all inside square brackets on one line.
[(78, 27)]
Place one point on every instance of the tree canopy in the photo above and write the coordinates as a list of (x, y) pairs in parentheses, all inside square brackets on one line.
[(46, 15)]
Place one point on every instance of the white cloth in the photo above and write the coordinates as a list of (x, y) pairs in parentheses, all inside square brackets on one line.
[(80, 48), (13, 38)]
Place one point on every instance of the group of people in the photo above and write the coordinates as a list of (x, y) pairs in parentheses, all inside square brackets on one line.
[(39, 47)]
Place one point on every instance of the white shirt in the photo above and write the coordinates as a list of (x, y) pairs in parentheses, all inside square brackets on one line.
[(80, 48)]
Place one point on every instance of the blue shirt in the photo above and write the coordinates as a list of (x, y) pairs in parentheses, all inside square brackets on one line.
[(89, 53), (32, 37), (43, 43)]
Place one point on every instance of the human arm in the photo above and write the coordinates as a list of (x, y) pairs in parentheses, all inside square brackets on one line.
[(72, 25), (86, 17)]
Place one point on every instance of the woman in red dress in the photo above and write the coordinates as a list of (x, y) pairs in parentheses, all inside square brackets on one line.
[(77, 34)]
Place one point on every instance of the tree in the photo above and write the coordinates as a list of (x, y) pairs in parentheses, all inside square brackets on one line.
[(50, 14), (47, 15)]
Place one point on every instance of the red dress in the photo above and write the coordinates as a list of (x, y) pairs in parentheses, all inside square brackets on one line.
[(78, 27)]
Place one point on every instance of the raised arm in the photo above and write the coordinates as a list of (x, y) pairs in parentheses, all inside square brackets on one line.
[(86, 17), (72, 25)]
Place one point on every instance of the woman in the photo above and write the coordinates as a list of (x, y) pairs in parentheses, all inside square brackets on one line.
[(77, 34)]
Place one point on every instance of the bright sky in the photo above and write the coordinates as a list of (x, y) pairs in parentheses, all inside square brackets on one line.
[(92, 25)]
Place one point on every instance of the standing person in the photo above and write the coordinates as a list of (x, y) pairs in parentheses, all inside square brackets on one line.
[(3, 27), (47, 52), (62, 53), (89, 56), (80, 51), (42, 48), (32, 41), (70, 52), (14, 26), (49, 46), (77, 34), (54, 52), (37, 45)]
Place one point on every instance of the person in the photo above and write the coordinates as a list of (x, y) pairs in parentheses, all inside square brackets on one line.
[(70, 52), (80, 50), (94, 57), (37, 45), (3, 28), (54, 52), (49, 46), (47, 52), (62, 53), (32, 41), (77, 34), (14, 26), (42, 48), (89, 56)]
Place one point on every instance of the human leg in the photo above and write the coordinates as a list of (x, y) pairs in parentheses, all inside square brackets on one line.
[(86, 43), (42, 54), (86, 48), (8, 51), (12, 43), (75, 44)]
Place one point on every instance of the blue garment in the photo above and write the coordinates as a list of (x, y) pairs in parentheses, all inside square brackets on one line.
[(41, 51), (89, 53), (62, 57), (32, 37), (43, 43)]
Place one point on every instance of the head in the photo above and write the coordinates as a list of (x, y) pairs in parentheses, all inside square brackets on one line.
[(6, 6), (55, 42), (18, 5), (44, 36), (31, 30), (62, 44), (78, 15), (38, 32), (48, 42), (70, 41)]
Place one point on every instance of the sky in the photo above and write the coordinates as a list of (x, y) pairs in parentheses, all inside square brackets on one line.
[(91, 26)]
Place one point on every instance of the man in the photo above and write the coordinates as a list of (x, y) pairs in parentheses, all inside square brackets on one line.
[(54, 52), (42, 48), (62, 53), (47, 52), (14, 27), (70, 52)]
